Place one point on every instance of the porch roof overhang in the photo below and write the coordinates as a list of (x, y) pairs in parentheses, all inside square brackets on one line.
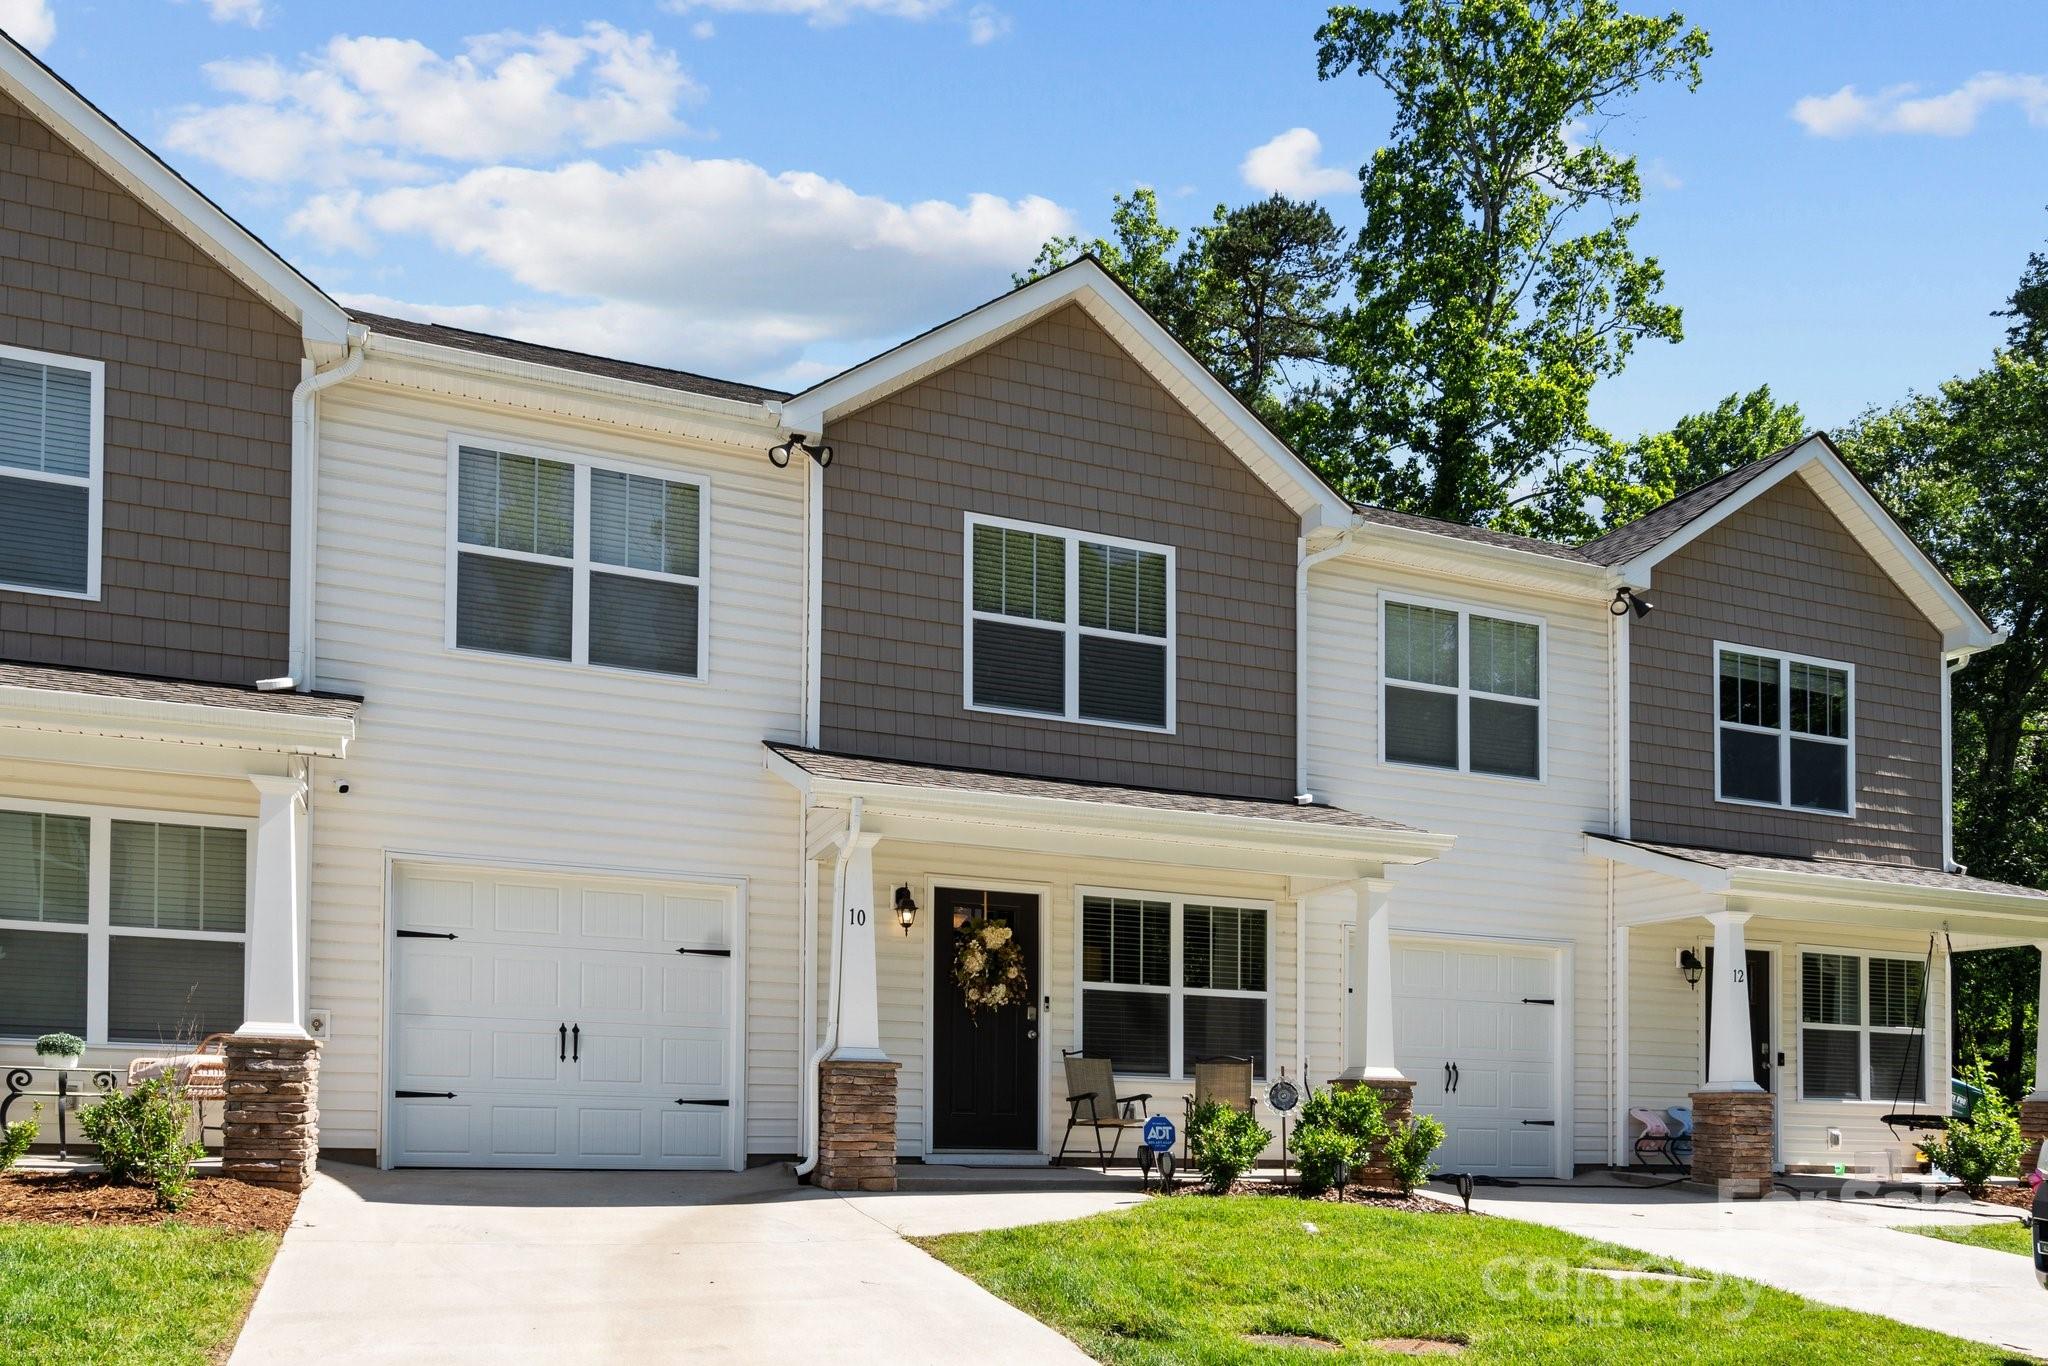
[(931, 803), (125, 707), (1842, 891)]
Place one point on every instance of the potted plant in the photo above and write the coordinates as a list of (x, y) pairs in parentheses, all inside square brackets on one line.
[(60, 1050)]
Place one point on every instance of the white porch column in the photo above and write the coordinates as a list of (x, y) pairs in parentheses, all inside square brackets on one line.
[(1730, 1066), (274, 964), (1371, 1007), (860, 1027), (2040, 1091)]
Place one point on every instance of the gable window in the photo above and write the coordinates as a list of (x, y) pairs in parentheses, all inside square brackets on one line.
[(561, 559), (1782, 730), (1462, 690), (1859, 1024), (51, 415), (1167, 982), (1067, 625)]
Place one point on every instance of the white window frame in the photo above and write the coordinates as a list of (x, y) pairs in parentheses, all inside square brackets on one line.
[(1179, 1068), (1863, 1029), (95, 481), (99, 929), (1071, 625), (1783, 730), (1464, 691), (579, 562)]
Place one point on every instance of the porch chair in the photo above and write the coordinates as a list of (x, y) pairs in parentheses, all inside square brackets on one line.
[(1227, 1080), (1092, 1102), (202, 1073), (1666, 1135)]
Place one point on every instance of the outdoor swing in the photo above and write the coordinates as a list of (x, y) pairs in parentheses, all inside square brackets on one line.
[(1916, 1120)]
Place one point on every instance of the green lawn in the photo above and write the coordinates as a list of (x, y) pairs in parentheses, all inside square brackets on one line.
[(169, 1293), (2002, 1235), (1180, 1280)]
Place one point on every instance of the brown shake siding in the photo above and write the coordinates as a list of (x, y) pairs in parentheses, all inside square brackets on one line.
[(1057, 425), (1783, 574), (196, 548)]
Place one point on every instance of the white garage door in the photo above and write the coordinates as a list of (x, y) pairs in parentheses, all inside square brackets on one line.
[(1476, 1026), (544, 1021)]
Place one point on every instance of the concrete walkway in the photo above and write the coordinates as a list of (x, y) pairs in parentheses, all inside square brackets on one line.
[(509, 1267), (1844, 1252)]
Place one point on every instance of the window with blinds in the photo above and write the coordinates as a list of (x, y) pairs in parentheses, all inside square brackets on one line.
[(1461, 690), (555, 558), (50, 423), (1860, 1027), (1782, 730), (1156, 1015), (44, 875), (1070, 626)]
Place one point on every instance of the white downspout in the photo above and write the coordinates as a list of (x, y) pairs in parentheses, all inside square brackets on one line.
[(831, 1039), (305, 499), (1950, 667)]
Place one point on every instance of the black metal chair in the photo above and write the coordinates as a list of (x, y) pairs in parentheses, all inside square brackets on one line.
[(1091, 1091)]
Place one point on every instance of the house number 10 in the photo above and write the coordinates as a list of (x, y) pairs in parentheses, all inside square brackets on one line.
[(856, 915)]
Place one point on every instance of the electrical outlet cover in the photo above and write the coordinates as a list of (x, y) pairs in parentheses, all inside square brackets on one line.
[(318, 1023)]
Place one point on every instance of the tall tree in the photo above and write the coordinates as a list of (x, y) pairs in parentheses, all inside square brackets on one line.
[(1579, 500), (1141, 251), (1489, 300), (2028, 309)]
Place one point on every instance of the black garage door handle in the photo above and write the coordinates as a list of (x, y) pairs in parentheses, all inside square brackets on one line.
[(423, 1095)]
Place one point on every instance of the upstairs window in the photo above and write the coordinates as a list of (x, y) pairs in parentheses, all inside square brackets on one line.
[(1070, 626), (1463, 690), (1782, 730), (51, 411), (560, 559)]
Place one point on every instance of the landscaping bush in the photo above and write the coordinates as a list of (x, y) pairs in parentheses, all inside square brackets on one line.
[(1337, 1132), (15, 1140), (1985, 1145), (141, 1138), (1225, 1143), (1409, 1150), (59, 1046)]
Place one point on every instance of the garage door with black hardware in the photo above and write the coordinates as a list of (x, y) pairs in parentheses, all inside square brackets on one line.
[(543, 1021)]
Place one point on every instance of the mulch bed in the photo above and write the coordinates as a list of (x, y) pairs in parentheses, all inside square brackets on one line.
[(89, 1198), (2021, 1196), (1375, 1199)]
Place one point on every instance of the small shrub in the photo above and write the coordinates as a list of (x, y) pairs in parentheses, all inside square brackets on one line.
[(59, 1046), (1225, 1143), (16, 1139), (141, 1138), (1337, 1132), (1409, 1150), (1985, 1145), (1324, 1156)]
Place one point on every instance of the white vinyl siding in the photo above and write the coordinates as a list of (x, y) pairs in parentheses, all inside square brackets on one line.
[(52, 415), (1463, 689), (1784, 728)]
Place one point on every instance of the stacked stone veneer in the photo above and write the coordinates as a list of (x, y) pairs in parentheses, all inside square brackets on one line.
[(1733, 1137), (271, 1132), (856, 1126), (1398, 1096), (2034, 1128)]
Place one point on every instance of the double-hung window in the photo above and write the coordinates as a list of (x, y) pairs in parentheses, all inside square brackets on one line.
[(51, 417), (1068, 625), (1783, 727), (1462, 689), (1168, 981), (155, 957), (563, 559), (1860, 1019)]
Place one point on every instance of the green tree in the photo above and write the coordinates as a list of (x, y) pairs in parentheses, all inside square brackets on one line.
[(1490, 299), (1141, 251), (2028, 309), (1580, 499), (1264, 275)]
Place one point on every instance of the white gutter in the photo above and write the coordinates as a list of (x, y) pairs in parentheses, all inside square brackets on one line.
[(305, 497), (831, 1039)]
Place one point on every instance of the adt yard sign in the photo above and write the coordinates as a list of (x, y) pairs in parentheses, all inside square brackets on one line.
[(1158, 1134)]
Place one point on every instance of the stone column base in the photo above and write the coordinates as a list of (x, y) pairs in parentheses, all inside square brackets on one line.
[(1733, 1137), (856, 1126), (1398, 1095), (270, 1131), (2033, 1128)]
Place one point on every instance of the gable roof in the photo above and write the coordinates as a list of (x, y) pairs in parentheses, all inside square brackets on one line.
[(1651, 529), (1112, 307), (59, 105)]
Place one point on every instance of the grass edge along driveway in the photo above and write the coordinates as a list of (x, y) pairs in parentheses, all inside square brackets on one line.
[(1183, 1279), (2000, 1235), (137, 1293)]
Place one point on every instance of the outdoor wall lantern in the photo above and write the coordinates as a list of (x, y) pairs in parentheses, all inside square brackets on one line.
[(1689, 964), (906, 908), (1626, 600)]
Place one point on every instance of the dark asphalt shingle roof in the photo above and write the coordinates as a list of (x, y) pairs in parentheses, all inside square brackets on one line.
[(510, 348), (94, 683), (1659, 524), (895, 772), (1894, 874), (1458, 531)]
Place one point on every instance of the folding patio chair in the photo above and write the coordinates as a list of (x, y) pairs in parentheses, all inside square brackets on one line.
[(1092, 1102), (1226, 1080)]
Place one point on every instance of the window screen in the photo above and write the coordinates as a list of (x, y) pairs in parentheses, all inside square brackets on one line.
[(1127, 941), (46, 476), (178, 877), (43, 867), (172, 990), (1783, 731), (1462, 690)]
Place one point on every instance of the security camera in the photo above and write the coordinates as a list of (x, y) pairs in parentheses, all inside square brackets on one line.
[(341, 786)]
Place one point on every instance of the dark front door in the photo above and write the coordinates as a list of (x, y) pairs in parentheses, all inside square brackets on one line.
[(1759, 984), (984, 1066)]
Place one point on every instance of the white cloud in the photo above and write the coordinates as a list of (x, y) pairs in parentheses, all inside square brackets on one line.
[(364, 107), (820, 13), (703, 30), (29, 22), (248, 12), (1289, 165), (1897, 109), (985, 24), (713, 264)]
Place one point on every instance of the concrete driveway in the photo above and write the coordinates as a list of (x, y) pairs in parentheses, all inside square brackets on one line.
[(554, 1267), (1844, 1252)]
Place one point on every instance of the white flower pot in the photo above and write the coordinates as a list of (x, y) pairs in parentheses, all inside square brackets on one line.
[(60, 1060)]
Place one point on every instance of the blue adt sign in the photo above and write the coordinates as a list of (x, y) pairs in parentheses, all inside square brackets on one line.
[(1158, 1134)]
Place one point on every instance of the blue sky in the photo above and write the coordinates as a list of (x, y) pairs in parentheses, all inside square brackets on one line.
[(769, 189)]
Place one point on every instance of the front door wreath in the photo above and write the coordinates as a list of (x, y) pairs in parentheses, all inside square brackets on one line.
[(988, 967)]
